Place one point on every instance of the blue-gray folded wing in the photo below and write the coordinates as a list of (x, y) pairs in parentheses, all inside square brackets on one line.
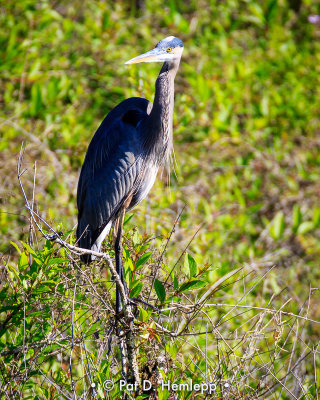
[(111, 169)]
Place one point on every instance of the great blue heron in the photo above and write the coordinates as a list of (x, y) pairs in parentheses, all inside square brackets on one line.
[(124, 156)]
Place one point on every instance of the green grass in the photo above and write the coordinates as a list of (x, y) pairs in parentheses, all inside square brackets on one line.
[(247, 151)]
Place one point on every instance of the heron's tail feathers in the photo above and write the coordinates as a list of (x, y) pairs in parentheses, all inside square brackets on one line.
[(86, 239)]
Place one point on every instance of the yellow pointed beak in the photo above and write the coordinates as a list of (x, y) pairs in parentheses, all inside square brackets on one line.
[(154, 55)]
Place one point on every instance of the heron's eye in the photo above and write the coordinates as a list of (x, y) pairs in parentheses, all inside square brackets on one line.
[(169, 49)]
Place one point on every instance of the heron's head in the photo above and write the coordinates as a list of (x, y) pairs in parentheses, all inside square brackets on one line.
[(168, 49)]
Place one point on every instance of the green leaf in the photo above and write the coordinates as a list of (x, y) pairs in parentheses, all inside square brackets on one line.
[(191, 285), (127, 219), (296, 217), (13, 272), (16, 247), (305, 227), (160, 290), (143, 314), (36, 99), (136, 238), (34, 268), (316, 217), (126, 253), (129, 264), (189, 262), (144, 247), (143, 259), (25, 283), (54, 261), (42, 289), (136, 289), (34, 70), (170, 299), (28, 248), (52, 90), (175, 283), (7, 308), (49, 282), (23, 262), (277, 226)]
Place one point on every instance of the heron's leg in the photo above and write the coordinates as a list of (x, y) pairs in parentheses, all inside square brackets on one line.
[(118, 255)]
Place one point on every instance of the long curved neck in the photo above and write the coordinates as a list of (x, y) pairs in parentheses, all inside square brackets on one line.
[(159, 123)]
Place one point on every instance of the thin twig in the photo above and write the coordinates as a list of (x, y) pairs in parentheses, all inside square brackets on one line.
[(164, 249), (72, 343), (92, 384), (24, 336)]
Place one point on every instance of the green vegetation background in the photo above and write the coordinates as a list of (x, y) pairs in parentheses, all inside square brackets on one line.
[(246, 124), (246, 120)]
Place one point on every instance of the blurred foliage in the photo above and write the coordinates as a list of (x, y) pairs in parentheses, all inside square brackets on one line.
[(246, 126)]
